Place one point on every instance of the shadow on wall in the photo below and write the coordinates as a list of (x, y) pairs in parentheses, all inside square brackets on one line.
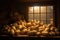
[(9, 18)]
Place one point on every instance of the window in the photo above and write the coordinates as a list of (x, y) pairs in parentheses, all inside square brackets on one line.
[(41, 13)]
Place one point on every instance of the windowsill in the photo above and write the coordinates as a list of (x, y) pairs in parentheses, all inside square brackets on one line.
[(31, 36)]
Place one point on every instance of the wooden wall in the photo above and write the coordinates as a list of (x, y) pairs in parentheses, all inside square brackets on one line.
[(33, 0), (57, 14)]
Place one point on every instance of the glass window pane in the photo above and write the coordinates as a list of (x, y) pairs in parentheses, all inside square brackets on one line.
[(48, 21), (36, 9), (49, 8), (30, 16), (43, 9), (43, 16), (36, 16), (30, 19), (49, 16), (51, 21), (30, 10), (44, 21)]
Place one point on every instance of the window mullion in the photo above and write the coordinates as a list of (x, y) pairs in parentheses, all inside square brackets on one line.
[(40, 13), (46, 15), (33, 12)]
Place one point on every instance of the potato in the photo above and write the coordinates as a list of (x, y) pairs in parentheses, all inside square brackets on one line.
[(38, 33), (6, 28), (34, 24), (46, 29), (34, 30), (20, 26), (15, 24), (17, 31), (32, 21), (28, 29), (37, 22), (44, 32), (29, 24), (9, 29), (13, 27), (32, 27), (25, 30), (12, 31), (51, 28), (52, 33)]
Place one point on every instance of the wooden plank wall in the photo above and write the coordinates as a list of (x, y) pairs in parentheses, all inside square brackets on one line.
[(33, 0)]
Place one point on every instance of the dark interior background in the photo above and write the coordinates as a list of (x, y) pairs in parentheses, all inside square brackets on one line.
[(8, 7)]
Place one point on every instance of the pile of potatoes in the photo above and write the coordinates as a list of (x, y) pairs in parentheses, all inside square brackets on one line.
[(31, 28)]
